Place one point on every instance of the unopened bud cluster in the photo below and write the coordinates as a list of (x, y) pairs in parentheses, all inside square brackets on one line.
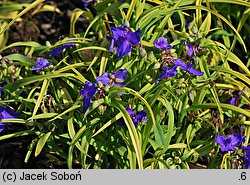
[(8, 70)]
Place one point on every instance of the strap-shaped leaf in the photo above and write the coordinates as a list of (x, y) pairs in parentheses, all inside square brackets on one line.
[(41, 142)]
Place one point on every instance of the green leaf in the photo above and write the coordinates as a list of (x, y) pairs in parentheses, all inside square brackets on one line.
[(41, 96), (43, 116), (17, 44), (28, 80), (21, 58), (18, 134), (75, 15), (106, 125), (222, 105), (72, 133), (133, 134), (41, 142), (206, 24), (170, 128)]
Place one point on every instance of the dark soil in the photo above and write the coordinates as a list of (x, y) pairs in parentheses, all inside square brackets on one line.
[(47, 26)]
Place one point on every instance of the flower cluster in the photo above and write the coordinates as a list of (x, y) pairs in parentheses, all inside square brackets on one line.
[(230, 143), (106, 79), (123, 39), (6, 113), (162, 44)]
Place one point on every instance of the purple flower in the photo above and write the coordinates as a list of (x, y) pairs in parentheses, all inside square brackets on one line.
[(236, 97), (104, 78), (88, 2), (139, 116), (168, 72), (58, 51), (40, 64), (6, 113), (124, 40), (187, 67), (116, 79), (162, 44), (121, 1), (229, 144), (246, 157), (88, 92)]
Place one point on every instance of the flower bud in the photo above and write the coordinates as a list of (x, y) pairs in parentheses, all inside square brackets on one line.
[(102, 109), (11, 69), (5, 72), (99, 84), (151, 57), (157, 65), (10, 62), (143, 52), (106, 88), (111, 76), (3, 64), (191, 39), (44, 109), (194, 29)]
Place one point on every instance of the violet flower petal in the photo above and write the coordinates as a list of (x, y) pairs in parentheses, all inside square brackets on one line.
[(40, 64), (134, 37), (6, 113), (190, 50), (162, 44), (88, 93), (246, 157), (141, 115), (233, 101), (181, 63), (229, 144), (191, 70), (55, 52), (119, 33), (104, 78), (237, 139), (58, 51), (1, 91), (123, 48), (121, 75), (112, 45), (168, 72)]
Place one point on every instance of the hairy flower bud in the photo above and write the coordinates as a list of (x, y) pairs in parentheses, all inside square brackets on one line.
[(102, 109), (143, 52)]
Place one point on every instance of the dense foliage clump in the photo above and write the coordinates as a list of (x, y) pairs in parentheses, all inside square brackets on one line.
[(142, 84)]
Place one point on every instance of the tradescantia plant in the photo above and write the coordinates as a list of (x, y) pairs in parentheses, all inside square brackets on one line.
[(148, 85)]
